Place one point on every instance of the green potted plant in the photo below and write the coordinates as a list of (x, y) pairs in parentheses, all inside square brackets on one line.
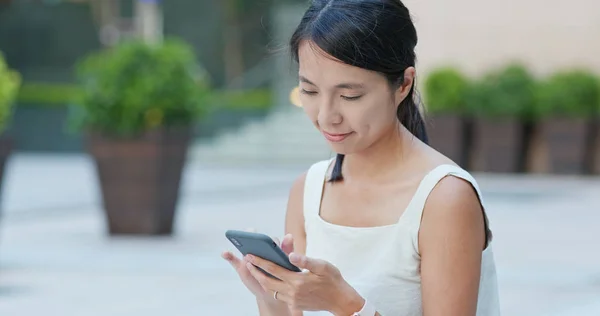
[(138, 105), (10, 81), (445, 90), (595, 139), (566, 105), (501, 104)]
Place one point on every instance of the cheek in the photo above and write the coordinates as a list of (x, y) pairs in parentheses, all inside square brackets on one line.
[(311, 109), (374, 120)]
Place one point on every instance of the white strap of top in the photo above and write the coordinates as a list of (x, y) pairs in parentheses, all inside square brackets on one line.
[(315, 180), (414, 210), (313, 187)]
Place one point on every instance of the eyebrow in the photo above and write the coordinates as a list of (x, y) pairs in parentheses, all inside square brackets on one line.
[(345, 85)]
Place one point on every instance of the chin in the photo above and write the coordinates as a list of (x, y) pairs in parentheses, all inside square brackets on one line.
[(342, 149)]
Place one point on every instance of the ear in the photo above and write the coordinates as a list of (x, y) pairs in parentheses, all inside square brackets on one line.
[(407, 82)]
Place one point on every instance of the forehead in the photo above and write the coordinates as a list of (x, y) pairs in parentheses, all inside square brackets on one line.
[(323, 69)]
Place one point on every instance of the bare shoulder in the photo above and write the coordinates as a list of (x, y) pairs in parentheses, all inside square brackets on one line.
[(294, 217), (454, 195), (451, 241), (454, 205)]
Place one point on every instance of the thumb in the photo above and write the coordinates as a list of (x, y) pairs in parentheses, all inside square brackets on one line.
[(287, 244), (311, 264)]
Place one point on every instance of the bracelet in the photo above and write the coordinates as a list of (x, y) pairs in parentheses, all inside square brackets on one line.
[(367, 310)]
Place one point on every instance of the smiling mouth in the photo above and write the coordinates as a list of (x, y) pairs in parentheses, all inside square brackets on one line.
[(336, 138)]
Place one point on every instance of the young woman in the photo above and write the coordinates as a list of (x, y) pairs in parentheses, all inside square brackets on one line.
[(389, 226)]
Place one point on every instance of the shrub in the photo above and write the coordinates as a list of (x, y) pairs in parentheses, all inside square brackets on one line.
[(10, 82), (445, 90), (572, 93), (135, 87)]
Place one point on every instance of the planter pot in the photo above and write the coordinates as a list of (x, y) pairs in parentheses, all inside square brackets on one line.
[(566, 144), (594, 158), (6, 146), (140, 179), (449, 134), (497, 145)]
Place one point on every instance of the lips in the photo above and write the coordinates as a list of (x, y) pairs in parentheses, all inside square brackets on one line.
[(335, 138)]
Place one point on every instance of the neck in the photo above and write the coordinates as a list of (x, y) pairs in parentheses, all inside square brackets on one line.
[(382, 160)]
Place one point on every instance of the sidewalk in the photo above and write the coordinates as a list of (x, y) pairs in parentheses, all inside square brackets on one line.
[(56, 260)]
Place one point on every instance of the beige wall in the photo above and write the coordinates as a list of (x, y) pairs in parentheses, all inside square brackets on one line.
[(478, 34)]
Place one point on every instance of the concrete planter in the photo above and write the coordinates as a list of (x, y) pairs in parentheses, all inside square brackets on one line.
[(5, 151), (140, 179), (497, 145), (594, 157), (6, 148), (561, 146)]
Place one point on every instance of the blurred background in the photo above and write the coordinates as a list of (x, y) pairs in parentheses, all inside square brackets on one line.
[(135, 132)]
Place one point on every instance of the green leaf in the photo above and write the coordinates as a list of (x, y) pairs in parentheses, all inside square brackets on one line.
[(135, 87), (10, 82), (445, 91), (570, 93), (508, 92)]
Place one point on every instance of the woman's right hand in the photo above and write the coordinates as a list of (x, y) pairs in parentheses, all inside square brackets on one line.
[(239, 264)]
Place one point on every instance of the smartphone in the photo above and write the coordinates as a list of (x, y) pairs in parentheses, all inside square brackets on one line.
[(262, 246)]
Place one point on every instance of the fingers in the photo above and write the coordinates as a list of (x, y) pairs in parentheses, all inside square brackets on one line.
[(231, 258), (311, 264), (283, 297), (268, 283), (276, 240), (270, 267), (287, 244)]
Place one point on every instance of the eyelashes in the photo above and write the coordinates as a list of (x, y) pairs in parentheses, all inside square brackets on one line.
[(347, 98), (308, 92), (351, 98)]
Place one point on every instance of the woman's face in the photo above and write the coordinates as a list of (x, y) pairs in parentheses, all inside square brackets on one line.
[(350, 106)]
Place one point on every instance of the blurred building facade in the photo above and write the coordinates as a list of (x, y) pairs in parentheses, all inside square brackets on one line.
[(477, 35), (43, 40), (471, 35)]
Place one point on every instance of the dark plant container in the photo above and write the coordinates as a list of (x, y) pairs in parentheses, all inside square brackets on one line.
[(567, 144), (140, 179), (497, 145)]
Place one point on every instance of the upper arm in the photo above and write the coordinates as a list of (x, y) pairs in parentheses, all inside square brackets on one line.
[(294, 217), (451, 241)]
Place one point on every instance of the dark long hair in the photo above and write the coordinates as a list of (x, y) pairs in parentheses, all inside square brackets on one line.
[(376, 35)]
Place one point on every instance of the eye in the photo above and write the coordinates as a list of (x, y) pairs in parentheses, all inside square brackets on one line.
[(351, 98), (308, 92)]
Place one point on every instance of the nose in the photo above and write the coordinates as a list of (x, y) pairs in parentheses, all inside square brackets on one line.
[(329, 115)]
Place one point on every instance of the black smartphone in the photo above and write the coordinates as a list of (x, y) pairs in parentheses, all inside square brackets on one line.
[(262, 246)]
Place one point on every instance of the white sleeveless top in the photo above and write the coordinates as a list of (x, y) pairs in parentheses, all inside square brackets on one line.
[(383, 263)]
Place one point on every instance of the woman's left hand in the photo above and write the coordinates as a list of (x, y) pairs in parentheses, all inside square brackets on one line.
[(320, 287)]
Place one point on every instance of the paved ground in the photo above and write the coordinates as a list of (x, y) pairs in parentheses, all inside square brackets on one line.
[(55, 258)]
